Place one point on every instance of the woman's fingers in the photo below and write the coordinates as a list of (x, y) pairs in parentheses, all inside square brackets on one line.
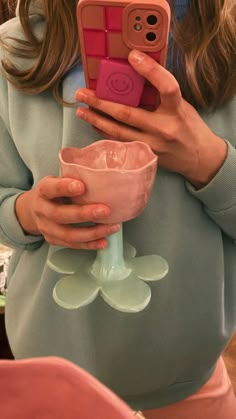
[(78, 237), (73, 213), (55, 220), (135, 117), (119, 132), (112, 129), (55, 187), (159, 77), (50, 188)]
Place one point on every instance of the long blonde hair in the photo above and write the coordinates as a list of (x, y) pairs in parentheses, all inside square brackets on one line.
[(204, 50)]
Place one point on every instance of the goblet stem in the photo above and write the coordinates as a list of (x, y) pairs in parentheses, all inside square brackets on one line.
[(109, 264)]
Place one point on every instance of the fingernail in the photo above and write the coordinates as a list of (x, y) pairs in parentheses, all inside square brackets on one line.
[(100, 212), (102, 244), (136, 56), (80, 112), (80, 96), (115, 228), (75, 186)]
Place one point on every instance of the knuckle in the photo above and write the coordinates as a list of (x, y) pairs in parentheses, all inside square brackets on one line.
[(183, 112), (173, 89), (72, 237), (55, 214), (43, 230), (123, 114), (93, 245), (151, 69), (50, 240), (66, 237), (96, 102), (52, 212), (115, 132), (37, 210), (85, 214), (94, 234), (40, 190), (42, 186), (95, 120), (86, 246), (172, 134)]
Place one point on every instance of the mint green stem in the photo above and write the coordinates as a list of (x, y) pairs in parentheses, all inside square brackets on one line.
[(109, 263)]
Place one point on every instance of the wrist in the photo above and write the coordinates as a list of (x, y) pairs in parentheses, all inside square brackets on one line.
[(24, 214), (211, 159)]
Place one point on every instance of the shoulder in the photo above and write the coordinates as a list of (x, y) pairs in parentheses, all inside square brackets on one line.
[(13, 28), (12, 31)]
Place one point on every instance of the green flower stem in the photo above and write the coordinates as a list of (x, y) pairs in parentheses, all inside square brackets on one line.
[(109, 264)]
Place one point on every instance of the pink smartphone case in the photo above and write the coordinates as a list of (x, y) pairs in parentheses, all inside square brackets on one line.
[(107, 35)]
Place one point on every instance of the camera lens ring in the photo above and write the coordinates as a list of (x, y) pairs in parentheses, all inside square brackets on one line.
[(151, 36), (152, 20)]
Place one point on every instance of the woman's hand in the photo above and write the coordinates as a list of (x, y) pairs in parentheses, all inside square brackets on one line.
[(175, 131), (42, 211)]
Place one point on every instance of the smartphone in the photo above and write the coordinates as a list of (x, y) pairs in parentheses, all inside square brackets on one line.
[(108, 31)]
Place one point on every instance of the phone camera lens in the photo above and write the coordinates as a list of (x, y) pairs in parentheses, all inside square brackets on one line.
[(152, 20), (151, 36)]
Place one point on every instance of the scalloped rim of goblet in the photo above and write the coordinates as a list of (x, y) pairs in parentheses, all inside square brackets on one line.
[(140, 169)]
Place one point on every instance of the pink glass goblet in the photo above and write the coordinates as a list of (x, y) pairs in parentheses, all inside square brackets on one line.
[(120, 175)]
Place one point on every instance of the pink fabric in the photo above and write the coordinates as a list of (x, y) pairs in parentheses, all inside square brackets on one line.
[(52, 388), (215, 400)]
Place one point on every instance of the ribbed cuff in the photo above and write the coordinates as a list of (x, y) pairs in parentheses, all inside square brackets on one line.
[(220, 193)]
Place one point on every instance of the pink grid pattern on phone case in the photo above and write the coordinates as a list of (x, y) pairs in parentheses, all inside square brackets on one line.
[(102, 31)]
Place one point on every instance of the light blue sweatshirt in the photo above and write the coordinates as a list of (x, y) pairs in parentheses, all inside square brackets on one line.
[(168, 351)]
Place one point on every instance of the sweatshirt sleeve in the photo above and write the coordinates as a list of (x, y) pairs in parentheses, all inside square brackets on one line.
[(15, 178), (219, 196)]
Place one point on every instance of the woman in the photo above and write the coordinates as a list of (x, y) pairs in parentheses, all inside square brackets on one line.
[(171, 351)]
